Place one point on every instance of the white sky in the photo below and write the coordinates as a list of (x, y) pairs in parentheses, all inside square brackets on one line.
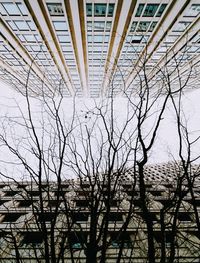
[(166, 144)]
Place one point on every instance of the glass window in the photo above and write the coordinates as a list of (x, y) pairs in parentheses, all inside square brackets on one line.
[(152, 26), (97, 38), (23, 9), (111, 9), (150, 10), (89, 9), (133, 26), (21, 38), (2, 10), (30, 38), (100, 9), (139, 10), (161, 10), (31, 25), (193, 10), (36, 48), (89, 38), (99, 25), (33, 238), (106, 39), (116, 240), (11, 9), (193, 49), (38, 38), (136, 39), (64, 38), (181, 26), (55, 9), (143, 26), (12, 25), (89, 26), (108, 25), (60, 25), (22, 25)]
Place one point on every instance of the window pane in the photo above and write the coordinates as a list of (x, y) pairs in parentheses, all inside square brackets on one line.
[(136, 39), (150, 10), (31, 25), (181, 26), (139, 10), (193, 10), (23, 9), (108, 26), (64, 38), (99, 26), (89, 9), (60, 25), (98, 39), (2, 10), (12, 9), (100, 9), (55, 9), (133, 26), (143, 26), (111, 9), (22, 25), (29, 38), (161, 10), (152, 26), (12, 25)]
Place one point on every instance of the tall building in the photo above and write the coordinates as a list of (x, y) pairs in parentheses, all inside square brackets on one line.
[(32, 214), (84, 43)]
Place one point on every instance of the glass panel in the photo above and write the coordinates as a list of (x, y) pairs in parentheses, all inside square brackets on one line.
[(2, 10), (89, 38), (133, 26), (23, 9), (22, 25), (100, 9), (30, 38), (11, 9), (39, 39), (60, 25), (98, 38), (181, 26), (136, 39), (152, 26), (150, 10), (108, 25), (12, 25), (143, 26), (111, 9), (161, 10), (64, 38), (89, 26), (31, 25), (55, 9), (139, 10), (89, 9), (99, 26), (193, 10), (21, 38)]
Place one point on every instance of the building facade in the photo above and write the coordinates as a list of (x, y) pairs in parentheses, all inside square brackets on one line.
[(82, 44), (33, 216)]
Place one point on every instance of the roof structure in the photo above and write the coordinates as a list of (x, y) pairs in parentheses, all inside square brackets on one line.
[(81, 44)]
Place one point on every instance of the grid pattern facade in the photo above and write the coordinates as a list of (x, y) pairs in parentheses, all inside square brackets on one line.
[(76, 45), (20, 218)]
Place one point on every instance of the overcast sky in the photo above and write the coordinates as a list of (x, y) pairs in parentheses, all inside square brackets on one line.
[(166, 144)]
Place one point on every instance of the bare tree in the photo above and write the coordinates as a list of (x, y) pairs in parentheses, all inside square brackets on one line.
[(105, 210)]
